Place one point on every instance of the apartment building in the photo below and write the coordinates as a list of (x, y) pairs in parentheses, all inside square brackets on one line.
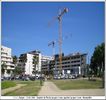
[(71, 64), (25, 62), (33, 62), (37, 55), (45, 60), (7, 61), (30, 62)]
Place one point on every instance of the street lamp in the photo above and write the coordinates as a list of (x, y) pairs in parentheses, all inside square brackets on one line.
[(40, 78)]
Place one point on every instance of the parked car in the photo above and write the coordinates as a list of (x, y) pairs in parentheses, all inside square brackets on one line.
[(2, 78), (32, 78), (17, 77), (12, 78), (73, 77), (25, 78), (7, 78), (66, 76), (37, 77), (62, 76), (57, 77)]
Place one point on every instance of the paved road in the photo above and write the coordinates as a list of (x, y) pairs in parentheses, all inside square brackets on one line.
[(50, 89)]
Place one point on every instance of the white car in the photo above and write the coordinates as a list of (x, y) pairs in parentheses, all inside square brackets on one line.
[(72, 76)]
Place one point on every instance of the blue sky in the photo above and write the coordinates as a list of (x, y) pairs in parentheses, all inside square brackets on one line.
[(25, 26)]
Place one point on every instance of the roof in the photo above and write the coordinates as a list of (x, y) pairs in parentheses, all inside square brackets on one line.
[(77, 54)]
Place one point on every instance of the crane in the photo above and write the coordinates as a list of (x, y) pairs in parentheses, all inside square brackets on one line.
[(53, 44), (61, 13), (59, 18)]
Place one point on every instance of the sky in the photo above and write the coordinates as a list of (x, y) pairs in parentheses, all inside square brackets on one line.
[(25, 26)]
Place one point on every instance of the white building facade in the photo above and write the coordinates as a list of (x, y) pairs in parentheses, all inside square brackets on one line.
[(46, 63), (29, 64), (7, 60), (26, 62), (37, 54), (46, 58)]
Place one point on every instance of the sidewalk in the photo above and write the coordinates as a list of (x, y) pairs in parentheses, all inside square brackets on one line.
[(4, 91), (50, 89)]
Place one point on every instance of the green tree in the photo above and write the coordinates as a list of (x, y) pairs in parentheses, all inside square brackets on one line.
[(18, 70), (3, 68), (94, 66), (98, 62), (15, 60)]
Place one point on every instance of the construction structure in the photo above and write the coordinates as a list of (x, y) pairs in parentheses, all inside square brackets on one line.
[(72, 64), (61, 13), (59, 18), (52, 43)]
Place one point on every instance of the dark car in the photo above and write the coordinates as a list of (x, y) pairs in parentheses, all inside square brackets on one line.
[(2, 78), (12, 78), (25, 78), (32, 78)]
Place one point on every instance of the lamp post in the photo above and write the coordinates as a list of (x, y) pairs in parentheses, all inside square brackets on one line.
[(40, 78)]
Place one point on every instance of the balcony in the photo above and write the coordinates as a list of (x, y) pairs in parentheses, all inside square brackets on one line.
[(5, 56), (9, 64), (68, 64), (5, 59), (77, 59), (11, 68)]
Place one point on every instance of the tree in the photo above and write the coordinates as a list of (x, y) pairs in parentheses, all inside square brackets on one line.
[(93, 66), (15, 60), (98, 62), (18, 70), (3, 68)]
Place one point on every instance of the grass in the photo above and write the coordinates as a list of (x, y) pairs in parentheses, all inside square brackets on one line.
[(78, 84), (7, 84), (31, 89)]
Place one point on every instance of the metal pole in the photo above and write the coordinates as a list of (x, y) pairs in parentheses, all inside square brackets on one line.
[(60, 43), (40, 78)]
